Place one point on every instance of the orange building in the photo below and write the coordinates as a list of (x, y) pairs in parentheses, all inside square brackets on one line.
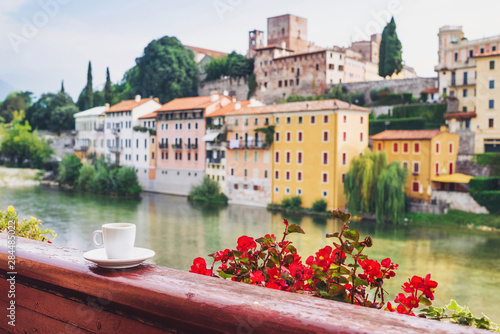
[(426, 154)]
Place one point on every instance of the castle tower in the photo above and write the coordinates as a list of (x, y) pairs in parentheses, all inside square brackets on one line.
[(289, 31), (448, 35), (255, 41)]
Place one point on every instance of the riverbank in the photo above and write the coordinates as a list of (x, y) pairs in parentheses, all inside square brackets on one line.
[(18, 177), (486, 222)]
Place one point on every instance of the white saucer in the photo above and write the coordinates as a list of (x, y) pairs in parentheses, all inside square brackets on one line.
[(99, 256)]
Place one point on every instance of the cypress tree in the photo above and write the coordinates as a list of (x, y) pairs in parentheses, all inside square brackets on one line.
[(108, 88), (62, 86), (390, 59), (86, 98)]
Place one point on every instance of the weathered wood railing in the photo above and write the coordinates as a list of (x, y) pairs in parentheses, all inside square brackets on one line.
[(57, 291)]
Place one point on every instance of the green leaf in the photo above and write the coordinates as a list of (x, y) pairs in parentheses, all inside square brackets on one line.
[(351, 234), (243, 259), (453, 306), (288, 259), (292, 249), (224, 275), (294, 228), (424, 301), (333, 235), (341, 215), (358, 246), (359, 281)]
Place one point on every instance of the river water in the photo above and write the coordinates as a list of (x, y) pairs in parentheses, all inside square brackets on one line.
[(464, 262)]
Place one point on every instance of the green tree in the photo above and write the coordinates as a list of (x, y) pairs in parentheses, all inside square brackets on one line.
[(85, 177), (166, 70), (108, 88), (390, 59), (232, 65), (62, 86), (40, 116), (127, 181), (61, 118), (16, 101), (373, 186), (69, 170), (86, 98), (20, 145)]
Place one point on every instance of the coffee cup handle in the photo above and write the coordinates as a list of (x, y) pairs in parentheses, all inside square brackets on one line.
[(94, 241)]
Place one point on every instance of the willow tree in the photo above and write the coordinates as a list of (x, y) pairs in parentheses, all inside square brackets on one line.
[(373, 186)]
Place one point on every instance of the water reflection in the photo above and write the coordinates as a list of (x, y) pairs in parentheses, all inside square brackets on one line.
[(464, 262)]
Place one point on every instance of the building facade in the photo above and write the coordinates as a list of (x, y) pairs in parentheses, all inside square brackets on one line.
[(425, 153), (90, 127)]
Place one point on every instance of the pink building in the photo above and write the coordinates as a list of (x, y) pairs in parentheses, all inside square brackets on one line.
[(181, 151)]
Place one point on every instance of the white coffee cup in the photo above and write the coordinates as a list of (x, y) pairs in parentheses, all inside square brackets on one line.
[(117, 238)]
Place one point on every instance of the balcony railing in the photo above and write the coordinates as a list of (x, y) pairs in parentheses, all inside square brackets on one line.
[(100, 128), (115, 148), (163, 146), (253, 144), (177, 146), (192, 146), (82, 147), (115, 131)]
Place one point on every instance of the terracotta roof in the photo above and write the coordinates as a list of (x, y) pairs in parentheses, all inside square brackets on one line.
[(406, 134), (460, 115), (189, 103), (431, 90), (229, 108), (151, 115), (487, 54), (211, 53), (127, 105), (298, 106)]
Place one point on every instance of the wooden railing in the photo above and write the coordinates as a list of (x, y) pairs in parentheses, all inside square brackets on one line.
[(57, 291)]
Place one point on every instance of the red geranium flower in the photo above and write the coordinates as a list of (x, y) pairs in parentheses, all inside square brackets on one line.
[(200, 267), (246, 243), (257, 277)]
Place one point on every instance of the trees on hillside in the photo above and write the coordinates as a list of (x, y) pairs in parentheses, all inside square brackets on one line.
[(390, 59), (16, 101), (108, 88), (232, 65), (166, 70), (373, 186), (52, 112)]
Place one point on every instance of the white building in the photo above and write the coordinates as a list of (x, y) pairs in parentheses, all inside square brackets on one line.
[(124, 145), (89, 125)]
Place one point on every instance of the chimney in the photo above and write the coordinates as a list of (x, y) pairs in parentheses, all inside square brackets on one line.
[(106, 105), (226, 93), (214, 96), (237, 106), (137, 98), (252, 101), (234, 99), (157, 100)]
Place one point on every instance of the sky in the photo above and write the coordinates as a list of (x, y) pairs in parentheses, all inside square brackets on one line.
[(45, 41)]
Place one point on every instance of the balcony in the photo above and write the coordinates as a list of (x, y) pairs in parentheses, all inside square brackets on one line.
[(100, 128), (59, 291), (254, 144), (81, 147), (163, 146), (192, 146), (115, 131), (115, 149), (177, 146)]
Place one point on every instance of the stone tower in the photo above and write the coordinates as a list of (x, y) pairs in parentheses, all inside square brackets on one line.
[(287, 31), (255, 41)]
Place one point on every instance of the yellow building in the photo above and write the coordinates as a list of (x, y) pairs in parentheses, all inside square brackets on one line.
[(313, 145), (426, 154)]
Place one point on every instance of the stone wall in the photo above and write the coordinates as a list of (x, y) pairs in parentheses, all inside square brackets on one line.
[(414, 86), (458, 201), (62, 144), (234, 86), (437, 209), (170, 181)]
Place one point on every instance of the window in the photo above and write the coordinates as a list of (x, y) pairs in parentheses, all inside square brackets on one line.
[(287, 175), (245, 172), (471, 53), (300, 119), (276, 190), (344, 136), (405, 147), (492, 84), (288, 136), (395, 148), (235, 155), (255, 156), (299, 136), (331, 66), (361, 136), (415, 187), (277, 157), (325, 119), (490, 123), (451, 148), (345, 119), (277, 136), (299, 191), (276, 175), (437, 168), (299, 176), (313, 119), (416, 147), (256, 121), (189, 126), (317, 67), (279, 83), (297, 80), (277, 121), (450, 168), (245, 156), (482, 50), (405, 164), (196, 158), (288, 155), (324, 177), (287, 190), (232, 171), (491, 104), (325, 158), (325, 136), (456, 56), (286, 83), (265, 174), (266, 157), (437, 148), (492, 64), (189, 156), (324, 194), (288, 120), (344, 159), (360, 120), (299, 157), (416, 168), (465, 93), (379, 146)]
